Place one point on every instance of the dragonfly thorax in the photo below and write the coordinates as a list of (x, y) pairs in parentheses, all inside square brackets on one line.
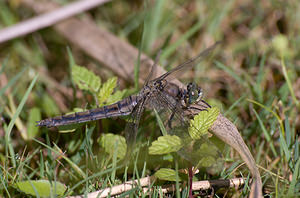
[(160, 84)]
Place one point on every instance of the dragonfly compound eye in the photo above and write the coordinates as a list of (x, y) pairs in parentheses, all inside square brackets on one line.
[(200, 94), (194, 93)]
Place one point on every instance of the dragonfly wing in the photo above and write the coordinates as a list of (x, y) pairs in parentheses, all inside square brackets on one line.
[(152, 73), (132, 125), (190, 63)]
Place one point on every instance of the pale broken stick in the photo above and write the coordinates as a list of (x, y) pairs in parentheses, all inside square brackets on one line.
[(47, 19), (120, 57), (147, 182)]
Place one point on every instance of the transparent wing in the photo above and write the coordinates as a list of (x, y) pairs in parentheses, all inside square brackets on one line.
[(132, 126), (153, 69), (190, 63)]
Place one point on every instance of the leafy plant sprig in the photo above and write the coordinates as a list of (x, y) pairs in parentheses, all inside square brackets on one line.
[(88, 81), (168, 144)]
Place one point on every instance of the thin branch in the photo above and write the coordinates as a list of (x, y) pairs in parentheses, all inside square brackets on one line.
[(47, 19), (148, 181)]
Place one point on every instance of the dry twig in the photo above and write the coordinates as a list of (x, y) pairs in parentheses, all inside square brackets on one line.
[(146, 182), (47, 19)]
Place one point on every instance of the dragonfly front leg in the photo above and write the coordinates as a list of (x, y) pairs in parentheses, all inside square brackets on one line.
[(205, 103), (193, 110), (170, 120)]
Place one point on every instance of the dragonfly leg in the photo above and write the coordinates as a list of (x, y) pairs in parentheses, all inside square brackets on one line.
[(194, 111), (205, 103), (172, 117), (170, 120)]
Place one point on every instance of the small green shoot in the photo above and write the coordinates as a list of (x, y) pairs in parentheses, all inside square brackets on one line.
[(88, 81), (85, 79), (106, 90)]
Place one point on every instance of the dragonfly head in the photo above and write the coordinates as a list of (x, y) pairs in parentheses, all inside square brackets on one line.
[(194, 93)]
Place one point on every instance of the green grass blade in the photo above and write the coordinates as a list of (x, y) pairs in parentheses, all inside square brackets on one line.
[(4, 64), (230, 72), (12, 81), (72, 164), (160, 123), (3, 183), (151, 24), (288, 136), (296, 178), (284, 147), (221, 14), (296, 154), (270, 110), (260, 78), (288, 81), (138, 63), (266, 134), (172, 48), (235, 104), (177, 178), (13, 120)]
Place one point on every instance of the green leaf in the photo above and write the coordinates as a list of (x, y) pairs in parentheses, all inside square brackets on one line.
[(85, 79), (118, 95), (209, 155), (206, 162), (106, 90), (165, 144), (166, 174), (43, 188), (202, 122), (110, 141), (49, 106), (32, 130)]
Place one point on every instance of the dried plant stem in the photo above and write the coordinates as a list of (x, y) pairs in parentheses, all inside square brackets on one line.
[(47, 19), (147, 182)]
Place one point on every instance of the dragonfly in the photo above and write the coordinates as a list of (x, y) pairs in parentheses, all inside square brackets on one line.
[(159, 93)]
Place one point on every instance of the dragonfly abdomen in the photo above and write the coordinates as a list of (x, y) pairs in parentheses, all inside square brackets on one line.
[(121, 108)]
